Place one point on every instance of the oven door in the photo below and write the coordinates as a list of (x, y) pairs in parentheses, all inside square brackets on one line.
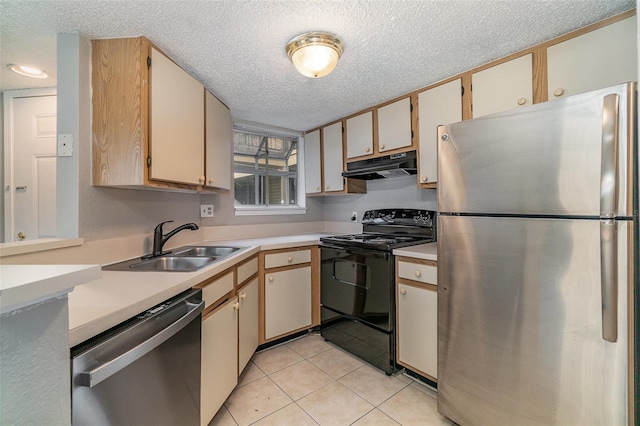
[(358, 283)]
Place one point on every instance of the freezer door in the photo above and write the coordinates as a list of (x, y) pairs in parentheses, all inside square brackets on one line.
[(520, 338), (563, 157)]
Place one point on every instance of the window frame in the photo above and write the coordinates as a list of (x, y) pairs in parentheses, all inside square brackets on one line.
[(272, 209)]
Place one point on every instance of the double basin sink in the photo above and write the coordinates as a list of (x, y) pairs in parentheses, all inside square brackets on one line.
[(182, 259)]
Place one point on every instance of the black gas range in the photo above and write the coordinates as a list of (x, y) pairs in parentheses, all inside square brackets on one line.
[(388, 229), (357, 282)]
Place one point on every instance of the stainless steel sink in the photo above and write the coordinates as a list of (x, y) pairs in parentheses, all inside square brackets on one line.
[(207, 251), (183, 259), (172, 263)]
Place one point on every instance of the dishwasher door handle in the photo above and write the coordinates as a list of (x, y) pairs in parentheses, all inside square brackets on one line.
[(104, 371)]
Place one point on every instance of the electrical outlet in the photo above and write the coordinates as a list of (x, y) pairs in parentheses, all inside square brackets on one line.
[(354, 216), (206, 210)]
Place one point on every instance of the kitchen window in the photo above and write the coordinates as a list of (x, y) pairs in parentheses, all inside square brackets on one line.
[(266, 173)]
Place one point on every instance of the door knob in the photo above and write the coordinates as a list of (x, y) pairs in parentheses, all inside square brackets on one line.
[(21, 236), (403, 291)]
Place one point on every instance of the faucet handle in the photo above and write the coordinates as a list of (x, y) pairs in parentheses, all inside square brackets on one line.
[(159, 226)]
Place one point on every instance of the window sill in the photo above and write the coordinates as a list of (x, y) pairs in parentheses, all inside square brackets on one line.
[(269, 211)]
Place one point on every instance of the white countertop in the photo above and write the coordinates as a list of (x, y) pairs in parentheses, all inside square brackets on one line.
[(427, 251), (119, 295), (22, 285)]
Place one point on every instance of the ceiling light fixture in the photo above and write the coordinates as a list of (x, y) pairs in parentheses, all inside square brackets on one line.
[(315, 54), (27, 71)]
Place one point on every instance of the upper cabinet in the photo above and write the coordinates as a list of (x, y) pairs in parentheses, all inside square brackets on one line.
[(333, 163), (503, 87), (394, 125), (218, 136), (600, 58), (360, 135), (312, 163), (149, 121), (439, 105)]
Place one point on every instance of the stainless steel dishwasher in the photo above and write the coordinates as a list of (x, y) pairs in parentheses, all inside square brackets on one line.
[(145, 371)]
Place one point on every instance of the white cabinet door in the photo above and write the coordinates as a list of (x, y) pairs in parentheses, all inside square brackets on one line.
[(360, 135), (177, 123), (418, 329), (219, 358), (287, 304), (219, 136), (601, 58), (333, 157), (247, 323), (394, 125), (503, 87), (440, 105), (312, 163)]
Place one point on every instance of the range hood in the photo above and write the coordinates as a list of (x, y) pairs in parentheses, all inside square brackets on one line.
[(393, 165)]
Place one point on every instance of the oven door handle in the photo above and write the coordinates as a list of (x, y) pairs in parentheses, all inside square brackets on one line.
[(355, 250), (107, 369)]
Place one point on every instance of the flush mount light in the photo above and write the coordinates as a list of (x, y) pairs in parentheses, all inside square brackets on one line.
[(315, 54), (27, 71)]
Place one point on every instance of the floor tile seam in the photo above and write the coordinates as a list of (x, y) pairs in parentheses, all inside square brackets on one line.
[(230, 414), (370, 402), (306, 412), (369, 412), (311, 356), (283, 368), (267, 415)]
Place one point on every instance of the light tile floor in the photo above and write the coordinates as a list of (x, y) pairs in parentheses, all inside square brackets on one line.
[(311, 382)]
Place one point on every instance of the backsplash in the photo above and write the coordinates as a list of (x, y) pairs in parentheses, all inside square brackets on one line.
[(400, 192)]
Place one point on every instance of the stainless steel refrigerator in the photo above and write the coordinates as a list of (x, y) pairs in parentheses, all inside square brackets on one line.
[(537, 264)]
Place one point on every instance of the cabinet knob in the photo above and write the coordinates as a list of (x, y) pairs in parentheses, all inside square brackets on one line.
[(243, 296), (424, 179), (403, 291), (381, 146), (271, 279), (236, 306), (522, 101), (318, 188), (418, 273), (367, 150), (210, 181), (289, 259), (558, 92), (201, 179)]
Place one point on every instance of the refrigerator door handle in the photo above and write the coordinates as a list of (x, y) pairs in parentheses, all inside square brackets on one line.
[(609, 159), (609, 279)]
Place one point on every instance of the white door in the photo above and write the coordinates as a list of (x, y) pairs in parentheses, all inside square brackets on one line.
[(30, 191)]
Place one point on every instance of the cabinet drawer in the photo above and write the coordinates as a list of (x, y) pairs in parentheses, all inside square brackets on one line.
[(287, 258), (246, 270), (418, 272), (217, 289)]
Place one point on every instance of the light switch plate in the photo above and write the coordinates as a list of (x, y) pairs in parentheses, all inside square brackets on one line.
[(206, 210), (65, 145)]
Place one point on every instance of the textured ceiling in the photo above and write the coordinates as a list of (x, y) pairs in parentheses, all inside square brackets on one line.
[(237, 48)]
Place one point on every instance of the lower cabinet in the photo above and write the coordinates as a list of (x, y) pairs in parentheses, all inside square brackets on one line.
[(247, 323), (219, 358), (287, 301), (289, 291), (417, 318)]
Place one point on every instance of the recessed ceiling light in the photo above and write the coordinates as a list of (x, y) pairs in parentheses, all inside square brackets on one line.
[(27, 71)]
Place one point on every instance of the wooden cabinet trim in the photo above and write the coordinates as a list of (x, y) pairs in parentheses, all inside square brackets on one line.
[(221, 304), (416, 284), (416, 260)]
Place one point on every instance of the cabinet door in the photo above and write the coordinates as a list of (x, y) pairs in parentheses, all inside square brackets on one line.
[(440, 105), (418, 329), (219, 358), (312, 163), (177, 123), (503, 86), (601, 58), (247, 323), (360, 135), (287, 303), (219, 136), (333, 157), (394, 125)]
